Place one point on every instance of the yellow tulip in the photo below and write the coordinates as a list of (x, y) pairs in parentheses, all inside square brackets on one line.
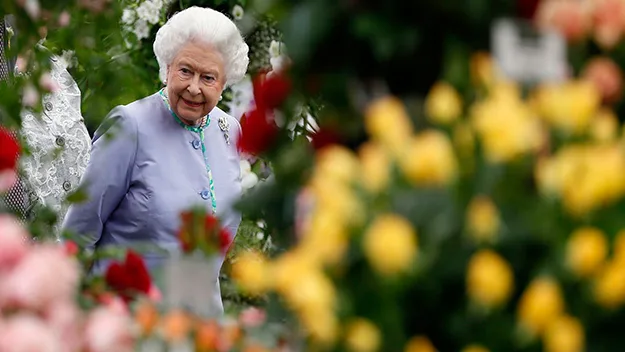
[(483, 69), (362, 335), (325, 240), (564, 334), (387, 122), (609, 284), (482, 219), (490, 280), (337, 163), (321, 324), (419, 344), (251, 272), (586, 251), (443, 105), (540, 303), (569, 106), (376, 166), (390, 244), (604, 126), (429, 160)]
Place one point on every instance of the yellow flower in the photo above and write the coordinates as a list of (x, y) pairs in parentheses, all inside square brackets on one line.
[(443, 104), (483, 69), (586, 251), (339, 198), (564, 334), (609, 284), (390, 244), (604, 126), (251, 272), (376, 166), (506, 127), (302, 283), (419, 344), (586, 177), (321, 325), (361, 335), (337, 163), (387, 122), (475, 348), (489, 279), (619, 246), (482, 219), (540, 303), (325, 240), (569, 106), (429, 160)]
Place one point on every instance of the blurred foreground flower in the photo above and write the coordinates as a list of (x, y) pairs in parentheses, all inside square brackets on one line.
[(607, 77), (482, 219), (130, 277), (586, 251), (361, 335), (540, 304), (564, 334), (9, 154), (429, 160), (387, 123)]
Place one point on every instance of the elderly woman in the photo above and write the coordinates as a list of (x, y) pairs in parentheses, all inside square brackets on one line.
[(170, 151)]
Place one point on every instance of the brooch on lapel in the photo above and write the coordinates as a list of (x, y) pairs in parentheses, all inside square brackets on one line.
[(224, 127)]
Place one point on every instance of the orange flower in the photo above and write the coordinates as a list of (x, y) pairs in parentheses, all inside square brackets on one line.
[(607, 78), (206, 336), (608, 22), (176, 326), (570, 18), (146, 316)]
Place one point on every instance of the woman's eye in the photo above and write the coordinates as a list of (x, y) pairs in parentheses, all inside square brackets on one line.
[(185, 71), (209, 78)]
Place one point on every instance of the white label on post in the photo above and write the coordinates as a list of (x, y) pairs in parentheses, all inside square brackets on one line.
[(528, 55)]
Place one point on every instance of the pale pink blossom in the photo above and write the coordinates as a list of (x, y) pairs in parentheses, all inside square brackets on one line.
[(32, 8), (154, 294), (30, 96), (28, 333), (46, 275), (108, 330), (7, 180), (65, 320), (13, 242), (571, 18), (252, 317), (608, 22), (48, 83), (64, 19)]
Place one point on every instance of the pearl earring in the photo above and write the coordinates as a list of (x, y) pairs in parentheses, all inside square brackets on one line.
[(220, 97)]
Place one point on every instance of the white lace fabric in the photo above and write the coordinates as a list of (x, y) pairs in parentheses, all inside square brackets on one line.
[(59, 143)]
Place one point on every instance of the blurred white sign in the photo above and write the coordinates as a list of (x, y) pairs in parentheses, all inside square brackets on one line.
[(526, 54)]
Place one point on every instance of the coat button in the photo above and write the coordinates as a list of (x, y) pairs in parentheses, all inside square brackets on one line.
[(196, 144), (48, 106), (67, 186), (60, 141), (205, 194)]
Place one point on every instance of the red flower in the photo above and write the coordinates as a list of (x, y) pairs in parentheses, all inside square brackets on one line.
[(201, 231), (71, 248), (257, 132), (527, 8), (324, 137), (9, 150), (130, 277), (271, 91), (224, 240)]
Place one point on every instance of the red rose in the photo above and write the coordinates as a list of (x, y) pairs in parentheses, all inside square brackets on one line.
[(257, 133), (9, 150), (129, 277), (224, 240), (271, 91)]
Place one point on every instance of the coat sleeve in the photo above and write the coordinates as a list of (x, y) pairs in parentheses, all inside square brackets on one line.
[(106, 179)]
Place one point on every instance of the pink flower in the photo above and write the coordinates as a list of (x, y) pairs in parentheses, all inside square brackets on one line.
[(27, 333), (609, 22), (108, 330), (252, 317), (154, 294), (7, 179), (66, 321), (30, 96), (48, 83), (569, 17), (46, 275), (64, 19), (13, 242)]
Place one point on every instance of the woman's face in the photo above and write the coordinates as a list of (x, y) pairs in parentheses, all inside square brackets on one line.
[(195, 80)]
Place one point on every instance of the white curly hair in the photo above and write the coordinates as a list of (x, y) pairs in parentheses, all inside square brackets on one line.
[(208, 26)]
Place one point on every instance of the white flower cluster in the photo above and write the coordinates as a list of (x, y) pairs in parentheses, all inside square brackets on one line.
[(140, 15)]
